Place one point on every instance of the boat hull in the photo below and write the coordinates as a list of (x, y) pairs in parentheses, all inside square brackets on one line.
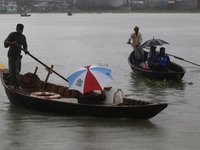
[(56, 106), (25, 15), (129, 109)]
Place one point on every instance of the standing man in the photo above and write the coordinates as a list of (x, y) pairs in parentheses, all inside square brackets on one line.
[(14, 41), (136, 39)]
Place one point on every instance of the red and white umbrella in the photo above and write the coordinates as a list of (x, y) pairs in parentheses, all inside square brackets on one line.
[(89, 78)]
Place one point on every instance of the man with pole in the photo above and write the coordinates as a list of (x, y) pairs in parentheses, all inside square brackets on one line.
[(136, 39), (14, 41)]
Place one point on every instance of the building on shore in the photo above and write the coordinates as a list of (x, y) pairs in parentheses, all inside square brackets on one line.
[(2, 6), (162, 4), (11, 7), (94, 5), (138, 4), (8, 6), (110, 3), (182, 5), (100, 4), (53, 5)]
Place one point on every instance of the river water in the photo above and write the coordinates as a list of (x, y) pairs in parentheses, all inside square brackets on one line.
[(68, 42)]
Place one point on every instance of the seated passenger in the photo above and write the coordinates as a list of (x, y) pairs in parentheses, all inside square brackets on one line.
[(91, 97), (152, 53), (161, 61)]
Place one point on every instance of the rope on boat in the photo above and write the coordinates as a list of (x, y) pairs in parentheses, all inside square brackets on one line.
[(45, 95)]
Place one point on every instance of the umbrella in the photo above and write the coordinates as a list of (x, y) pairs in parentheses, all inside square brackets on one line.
[(154, 42), (89, 78)]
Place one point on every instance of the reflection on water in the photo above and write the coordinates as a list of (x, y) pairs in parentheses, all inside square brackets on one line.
[(25, 128), (153, 92), (17, 114)]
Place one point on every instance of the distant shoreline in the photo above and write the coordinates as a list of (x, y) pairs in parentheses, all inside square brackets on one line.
[(142, 11), (119, 11)]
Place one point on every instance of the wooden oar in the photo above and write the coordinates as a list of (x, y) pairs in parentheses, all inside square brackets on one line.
[(174, 57), (183, 59), (43, 64), (177, 57)]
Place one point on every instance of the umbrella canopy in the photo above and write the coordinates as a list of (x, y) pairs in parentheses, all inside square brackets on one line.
[(89, 78), (154, 42)]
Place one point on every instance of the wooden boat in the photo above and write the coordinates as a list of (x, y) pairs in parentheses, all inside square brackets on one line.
[(69, 14), (25, 15), (67, 104), (175, 72)]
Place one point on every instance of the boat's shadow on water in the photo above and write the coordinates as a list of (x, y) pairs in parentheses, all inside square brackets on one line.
[(84, 131), (154, 90), (156, 83), (38, 117)]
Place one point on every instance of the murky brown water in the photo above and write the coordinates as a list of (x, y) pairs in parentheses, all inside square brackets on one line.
[(83, 39)]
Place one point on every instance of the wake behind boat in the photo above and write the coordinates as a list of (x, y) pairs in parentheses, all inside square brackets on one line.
[(175, 72), (48, 97)]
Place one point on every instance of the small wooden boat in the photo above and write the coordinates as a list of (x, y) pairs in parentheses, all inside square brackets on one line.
[(63, 101), (175, 72), (69, 14), (25, 15)]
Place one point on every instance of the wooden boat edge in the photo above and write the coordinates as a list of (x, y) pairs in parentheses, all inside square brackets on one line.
[(157, 73), (158, 106)]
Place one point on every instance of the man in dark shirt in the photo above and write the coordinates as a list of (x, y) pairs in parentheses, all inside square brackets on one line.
[(14, 41)]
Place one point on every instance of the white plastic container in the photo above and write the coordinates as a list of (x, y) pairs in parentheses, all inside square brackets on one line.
[(109, 96)]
